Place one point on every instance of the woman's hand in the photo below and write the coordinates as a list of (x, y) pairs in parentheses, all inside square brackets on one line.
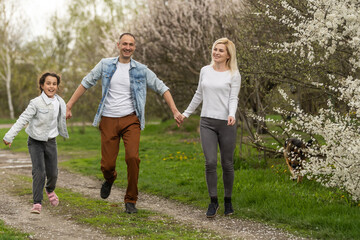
[(231, 121)]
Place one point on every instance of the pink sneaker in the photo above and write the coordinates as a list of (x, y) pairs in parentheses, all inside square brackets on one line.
[(53, 198), (36, 208)]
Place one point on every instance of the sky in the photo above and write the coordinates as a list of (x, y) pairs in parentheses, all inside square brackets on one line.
[(38, 12)]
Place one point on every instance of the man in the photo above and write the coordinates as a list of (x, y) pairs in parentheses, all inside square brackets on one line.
[(121, 112)]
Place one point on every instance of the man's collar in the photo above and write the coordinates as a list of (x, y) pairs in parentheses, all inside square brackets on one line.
[(132, 62)]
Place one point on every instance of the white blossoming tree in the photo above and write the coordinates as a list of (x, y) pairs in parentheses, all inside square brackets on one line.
[(328, 33)]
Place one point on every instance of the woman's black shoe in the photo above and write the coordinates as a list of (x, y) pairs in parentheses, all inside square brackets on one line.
[(212, 209), (228, 209)]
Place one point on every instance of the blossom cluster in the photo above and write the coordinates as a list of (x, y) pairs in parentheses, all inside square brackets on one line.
[(335, 162), (330, 24), (329, 27)]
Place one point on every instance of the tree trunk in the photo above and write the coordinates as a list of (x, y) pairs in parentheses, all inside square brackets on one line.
[(8, 83), (260, 125)]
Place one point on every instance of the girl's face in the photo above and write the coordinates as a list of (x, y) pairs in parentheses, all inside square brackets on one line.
[(50, 86), (220, 54)]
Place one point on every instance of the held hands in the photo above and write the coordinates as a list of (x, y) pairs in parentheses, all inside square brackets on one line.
[(7, 143), (178, 118), (182, 118), (231, 121)]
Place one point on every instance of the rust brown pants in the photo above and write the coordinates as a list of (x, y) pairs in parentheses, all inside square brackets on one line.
[(112, 130)]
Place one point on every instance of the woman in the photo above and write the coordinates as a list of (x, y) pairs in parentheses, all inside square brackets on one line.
[(218, 90)]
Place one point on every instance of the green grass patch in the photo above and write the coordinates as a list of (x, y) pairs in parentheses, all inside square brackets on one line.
[(7, 121), (8, 233)]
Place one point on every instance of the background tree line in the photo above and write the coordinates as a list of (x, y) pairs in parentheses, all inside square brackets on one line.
[(174, 39)]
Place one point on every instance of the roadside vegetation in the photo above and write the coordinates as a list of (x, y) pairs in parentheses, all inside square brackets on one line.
[(7, 233), (172, 166)]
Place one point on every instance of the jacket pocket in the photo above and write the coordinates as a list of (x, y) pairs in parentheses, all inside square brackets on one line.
[(43, 110)]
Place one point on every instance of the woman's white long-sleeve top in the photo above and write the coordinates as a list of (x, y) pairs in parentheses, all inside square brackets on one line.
[(218, 91)]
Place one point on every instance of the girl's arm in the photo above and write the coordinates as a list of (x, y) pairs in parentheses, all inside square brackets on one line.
[(7, 143), (24, 118)]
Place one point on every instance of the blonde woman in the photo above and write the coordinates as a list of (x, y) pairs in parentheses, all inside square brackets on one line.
[(218, 90)]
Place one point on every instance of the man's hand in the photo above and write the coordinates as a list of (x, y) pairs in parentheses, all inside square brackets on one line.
[(74, 98), (170, 102), (7, 143), (231, 121)]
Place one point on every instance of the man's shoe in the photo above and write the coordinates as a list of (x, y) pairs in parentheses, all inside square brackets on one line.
[(212, 209), (228, 209), (130, 208), (105, 190)]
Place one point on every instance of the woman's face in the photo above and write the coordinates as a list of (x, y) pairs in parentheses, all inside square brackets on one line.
[(220, 54)]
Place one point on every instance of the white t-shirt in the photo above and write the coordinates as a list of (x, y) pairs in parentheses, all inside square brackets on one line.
[(54, 132), (118, 102), (218, 91)]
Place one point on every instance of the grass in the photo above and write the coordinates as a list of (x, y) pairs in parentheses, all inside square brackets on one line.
[(172, 165), (7, 233), (6, 121), (110, 218)]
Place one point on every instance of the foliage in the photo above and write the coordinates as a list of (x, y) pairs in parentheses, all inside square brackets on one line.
[(10, 39), (327, 33)]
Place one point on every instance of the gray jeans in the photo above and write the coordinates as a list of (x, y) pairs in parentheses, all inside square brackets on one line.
[(44, 166), (214, 132)]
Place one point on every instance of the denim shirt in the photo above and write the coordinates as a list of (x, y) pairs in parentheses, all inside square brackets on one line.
[(141, 77), (39, 115)]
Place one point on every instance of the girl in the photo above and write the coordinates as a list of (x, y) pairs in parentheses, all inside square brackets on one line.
[(218, 89), (45, 115)]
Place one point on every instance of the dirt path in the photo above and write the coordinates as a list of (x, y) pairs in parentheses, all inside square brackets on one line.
[(15, 211)]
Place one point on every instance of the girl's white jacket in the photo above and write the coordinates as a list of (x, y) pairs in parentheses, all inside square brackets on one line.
[(38, 115)]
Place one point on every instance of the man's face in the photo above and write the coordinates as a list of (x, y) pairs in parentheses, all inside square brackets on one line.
[(126, 47)]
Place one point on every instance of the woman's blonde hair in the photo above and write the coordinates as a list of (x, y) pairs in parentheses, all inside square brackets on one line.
[(231, 63)]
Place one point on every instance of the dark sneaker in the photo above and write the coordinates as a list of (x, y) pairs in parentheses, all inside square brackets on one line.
[(212, 209), (130, 208), (105, 190), (228, 209)]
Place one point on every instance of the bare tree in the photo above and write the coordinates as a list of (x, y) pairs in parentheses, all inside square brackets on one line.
[(9, 41)]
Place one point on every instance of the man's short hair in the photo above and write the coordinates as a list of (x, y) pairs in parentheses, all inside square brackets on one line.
[(126, 33)]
